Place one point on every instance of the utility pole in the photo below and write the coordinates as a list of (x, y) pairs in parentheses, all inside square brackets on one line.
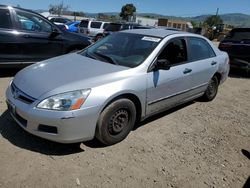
[(217, 11)]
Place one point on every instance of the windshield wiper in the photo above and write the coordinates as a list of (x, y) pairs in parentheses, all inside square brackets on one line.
[(87, 54), (108, 58)]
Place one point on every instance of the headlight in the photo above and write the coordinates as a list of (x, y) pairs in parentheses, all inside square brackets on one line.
[(65, 101)]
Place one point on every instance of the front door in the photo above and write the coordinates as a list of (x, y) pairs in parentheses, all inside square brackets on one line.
[(169, 87), (35, 36)]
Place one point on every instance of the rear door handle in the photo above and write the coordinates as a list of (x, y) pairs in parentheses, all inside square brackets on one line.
[(214, 63), (187, 71)]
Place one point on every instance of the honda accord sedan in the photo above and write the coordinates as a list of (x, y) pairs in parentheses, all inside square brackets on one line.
[(104, 90)]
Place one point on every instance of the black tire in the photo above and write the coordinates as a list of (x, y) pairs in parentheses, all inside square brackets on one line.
[(116, 121), (212, 89)]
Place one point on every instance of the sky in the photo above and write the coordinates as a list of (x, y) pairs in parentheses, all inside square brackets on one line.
[(183, 8)]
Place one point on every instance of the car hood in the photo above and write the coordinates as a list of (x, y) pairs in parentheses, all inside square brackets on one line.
[(65, 73)]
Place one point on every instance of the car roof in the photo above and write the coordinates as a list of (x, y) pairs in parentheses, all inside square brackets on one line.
[(7, 6), (153, 32), (240, 29)]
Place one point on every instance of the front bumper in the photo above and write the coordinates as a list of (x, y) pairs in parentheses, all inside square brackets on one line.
[(63, 127)]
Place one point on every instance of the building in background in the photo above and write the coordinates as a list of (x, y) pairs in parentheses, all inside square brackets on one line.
[(177, 24)]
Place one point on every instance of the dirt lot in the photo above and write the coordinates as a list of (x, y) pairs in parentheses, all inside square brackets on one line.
[(195, 145)]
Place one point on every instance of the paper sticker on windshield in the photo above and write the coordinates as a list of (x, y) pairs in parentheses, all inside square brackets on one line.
[(152, 39)]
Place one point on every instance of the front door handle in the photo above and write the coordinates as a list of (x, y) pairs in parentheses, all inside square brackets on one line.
[(26, 36), (187, 71), (214, 63)]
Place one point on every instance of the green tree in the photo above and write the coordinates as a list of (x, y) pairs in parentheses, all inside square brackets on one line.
[(127, 11), (194, 24), (213, 21)]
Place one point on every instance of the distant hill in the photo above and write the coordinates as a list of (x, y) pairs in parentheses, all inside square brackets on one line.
[(235, 19)]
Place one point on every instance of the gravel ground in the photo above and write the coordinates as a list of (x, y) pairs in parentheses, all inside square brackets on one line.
[(196, 145)]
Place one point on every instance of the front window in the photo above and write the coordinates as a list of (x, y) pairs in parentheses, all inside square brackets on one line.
[(124, 49), (31, 22), (175, 52)]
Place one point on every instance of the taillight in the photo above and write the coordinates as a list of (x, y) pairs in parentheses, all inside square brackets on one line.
[(87, 31)]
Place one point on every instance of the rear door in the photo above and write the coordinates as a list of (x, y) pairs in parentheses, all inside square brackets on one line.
[(9, 40), (35, 37), (203, 63)]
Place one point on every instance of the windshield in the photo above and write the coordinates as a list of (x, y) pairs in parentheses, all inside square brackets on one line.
[(124, 49)]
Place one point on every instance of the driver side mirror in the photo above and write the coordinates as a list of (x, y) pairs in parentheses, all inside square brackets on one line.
[(162, 64), (54, 32)]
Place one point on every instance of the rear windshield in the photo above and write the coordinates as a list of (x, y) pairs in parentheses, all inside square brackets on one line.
[(239, 35), (113, 27), (96, 25), (84, 23)]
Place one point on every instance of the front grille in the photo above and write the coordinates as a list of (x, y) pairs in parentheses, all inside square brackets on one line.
[(20, 95)]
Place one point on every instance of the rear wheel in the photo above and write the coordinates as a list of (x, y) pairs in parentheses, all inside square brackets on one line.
[(212, 89), (116, 121)]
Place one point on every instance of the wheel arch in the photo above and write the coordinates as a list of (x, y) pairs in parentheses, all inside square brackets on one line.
[(218, 75), (131, 96)]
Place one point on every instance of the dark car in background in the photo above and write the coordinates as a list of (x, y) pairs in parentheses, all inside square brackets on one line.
[(114, 27), (27, 37), (237, 45)]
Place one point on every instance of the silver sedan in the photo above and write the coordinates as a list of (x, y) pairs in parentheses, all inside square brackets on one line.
[(105, 89)]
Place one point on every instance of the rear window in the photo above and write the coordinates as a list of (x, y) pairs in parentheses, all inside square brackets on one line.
[(113, 27), (5, 21), (84, 23), (239, 34), (199, 49), (96, 25)]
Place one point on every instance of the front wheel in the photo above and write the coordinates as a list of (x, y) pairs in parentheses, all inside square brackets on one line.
[(211, 90), (116, 121)]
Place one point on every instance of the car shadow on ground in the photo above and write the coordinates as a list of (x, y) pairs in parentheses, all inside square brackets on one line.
[(11, 131), (236, 73), (162, 114)]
